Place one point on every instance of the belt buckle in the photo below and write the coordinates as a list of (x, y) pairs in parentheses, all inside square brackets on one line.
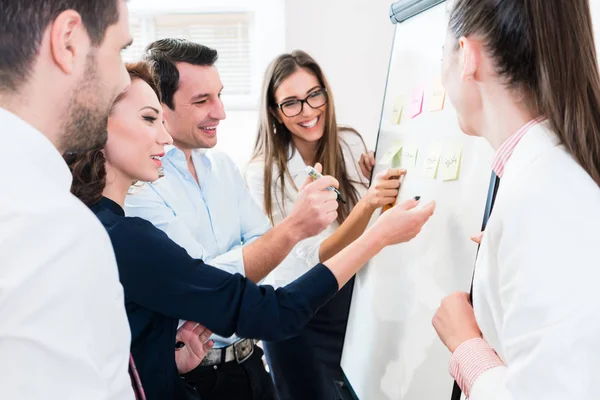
[(242, 344)]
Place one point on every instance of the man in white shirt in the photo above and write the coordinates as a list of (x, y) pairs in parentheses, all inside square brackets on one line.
[(63, 329), (202, 203)]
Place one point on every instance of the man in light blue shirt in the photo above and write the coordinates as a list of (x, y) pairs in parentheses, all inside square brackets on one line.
[(202, 203)]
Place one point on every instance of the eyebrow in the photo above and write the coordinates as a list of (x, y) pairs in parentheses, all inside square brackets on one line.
[(203, 95), (295, 98), (199, 96), (151, 108)]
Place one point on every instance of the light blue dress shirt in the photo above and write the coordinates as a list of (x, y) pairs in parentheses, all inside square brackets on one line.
[(212, 220)]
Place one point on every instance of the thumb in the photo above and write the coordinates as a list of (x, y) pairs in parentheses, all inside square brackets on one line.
[(408, 204), (319, 168), (428, 209)]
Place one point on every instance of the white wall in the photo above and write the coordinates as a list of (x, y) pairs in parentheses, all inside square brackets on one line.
[(238, 131), (352, 41)]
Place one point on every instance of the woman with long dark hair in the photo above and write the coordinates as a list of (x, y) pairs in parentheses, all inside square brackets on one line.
[(523, 74), (298, 128)]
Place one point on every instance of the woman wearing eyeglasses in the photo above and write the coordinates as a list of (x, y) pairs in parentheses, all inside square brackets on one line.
[(298, 128)]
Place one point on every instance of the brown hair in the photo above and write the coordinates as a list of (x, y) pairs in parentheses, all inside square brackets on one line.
[(166, 53), (274, 148), (22, 25), (546, 50), (89, 172)]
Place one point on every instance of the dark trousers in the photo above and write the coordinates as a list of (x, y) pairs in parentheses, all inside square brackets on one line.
[(232, 381), (307, 366)]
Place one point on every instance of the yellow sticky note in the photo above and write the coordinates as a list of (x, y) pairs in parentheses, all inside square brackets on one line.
[(438, 97), (431, 162), (451, 157), (390, 154), (397, 109), (409, 156)]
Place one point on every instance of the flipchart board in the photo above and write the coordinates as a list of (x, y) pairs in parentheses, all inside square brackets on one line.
[(391, 351)]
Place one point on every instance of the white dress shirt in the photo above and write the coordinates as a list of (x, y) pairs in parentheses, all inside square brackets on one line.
[(536, 294), (305, 254), (212, 220), (64, 333)]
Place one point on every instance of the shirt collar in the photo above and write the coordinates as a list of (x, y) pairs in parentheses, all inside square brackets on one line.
[(200, 157), (508, 147), (32, 152), (107, 203)]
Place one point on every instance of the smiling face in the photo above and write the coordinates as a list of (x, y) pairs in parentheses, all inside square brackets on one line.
[(309, 125), (136, 134), (198, 107)]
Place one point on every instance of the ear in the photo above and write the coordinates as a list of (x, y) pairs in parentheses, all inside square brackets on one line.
[(470, 53), (68, 40), (275, 113)]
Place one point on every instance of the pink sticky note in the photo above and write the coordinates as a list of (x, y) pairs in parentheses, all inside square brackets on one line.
[(416, 102)]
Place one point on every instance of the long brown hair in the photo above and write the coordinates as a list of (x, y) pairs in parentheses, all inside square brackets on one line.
[(88, 168), (546, 50), (273, 148)]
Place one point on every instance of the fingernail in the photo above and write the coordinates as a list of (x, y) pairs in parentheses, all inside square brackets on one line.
[(417, 198), (179, 345)]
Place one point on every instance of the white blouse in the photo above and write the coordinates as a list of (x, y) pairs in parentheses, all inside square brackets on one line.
[(305, 254), (536, 295)]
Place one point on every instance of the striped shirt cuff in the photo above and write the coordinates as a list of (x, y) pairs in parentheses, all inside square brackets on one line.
[(471, 359)]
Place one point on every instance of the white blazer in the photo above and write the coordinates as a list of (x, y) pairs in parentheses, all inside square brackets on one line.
[(305, 254), (536, 290)]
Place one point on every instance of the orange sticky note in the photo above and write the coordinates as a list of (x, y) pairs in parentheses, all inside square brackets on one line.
[(416, 102), (438, 97)]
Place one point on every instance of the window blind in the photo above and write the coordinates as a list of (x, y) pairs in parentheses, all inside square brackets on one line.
[(134, 52), (228, 33)]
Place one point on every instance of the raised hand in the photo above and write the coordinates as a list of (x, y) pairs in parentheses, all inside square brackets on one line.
[(367, 163), (315, 207), (385, 188), (402, 222)]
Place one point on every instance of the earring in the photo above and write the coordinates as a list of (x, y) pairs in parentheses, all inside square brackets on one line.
[(274, 129)]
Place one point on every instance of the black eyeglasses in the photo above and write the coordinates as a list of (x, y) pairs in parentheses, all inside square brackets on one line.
[(292, 108)]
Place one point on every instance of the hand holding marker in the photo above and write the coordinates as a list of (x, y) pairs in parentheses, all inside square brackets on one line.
[(314, 174), (388, 206)]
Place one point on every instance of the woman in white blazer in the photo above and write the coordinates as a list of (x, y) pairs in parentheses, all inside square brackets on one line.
[(298, 128), (524, 75)]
